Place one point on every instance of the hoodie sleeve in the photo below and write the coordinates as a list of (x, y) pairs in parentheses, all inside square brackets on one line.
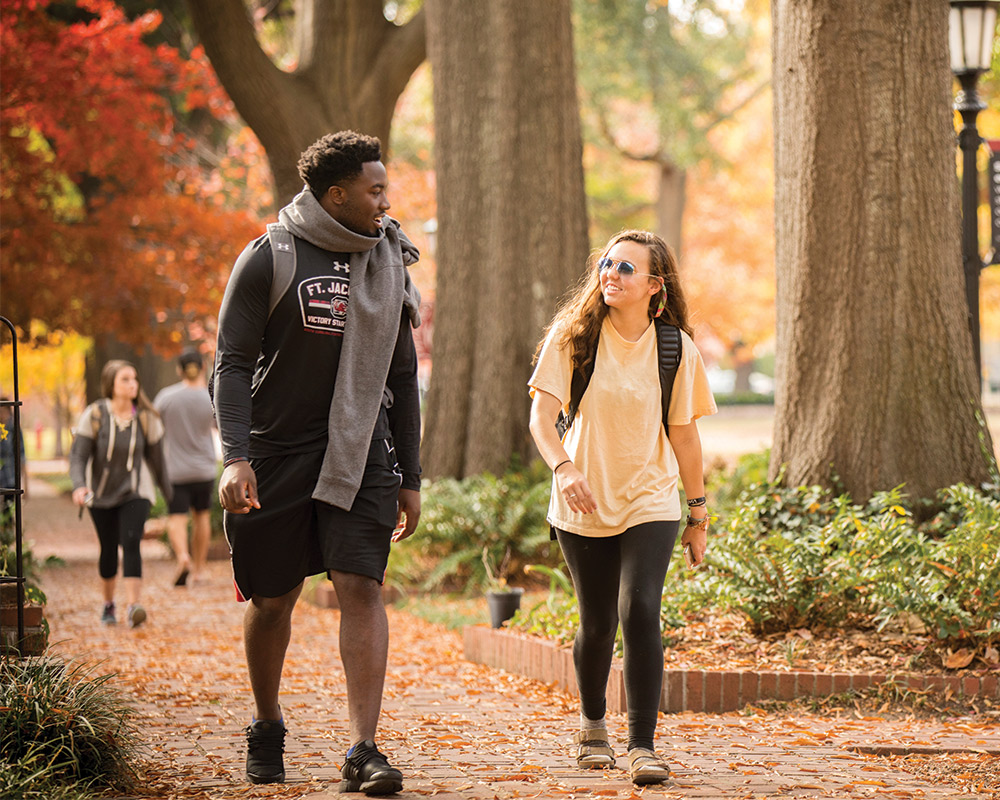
[(82, 449)]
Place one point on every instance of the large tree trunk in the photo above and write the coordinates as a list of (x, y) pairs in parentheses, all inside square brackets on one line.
[(512, 218), (876, 382), (353, 64), (670, 205)]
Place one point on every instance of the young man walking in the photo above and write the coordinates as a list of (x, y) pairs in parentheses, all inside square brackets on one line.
[(316, 396), (189, 449)]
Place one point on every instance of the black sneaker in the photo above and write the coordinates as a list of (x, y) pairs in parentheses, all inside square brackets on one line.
[(108, 614), (367, 770), (265, 748)]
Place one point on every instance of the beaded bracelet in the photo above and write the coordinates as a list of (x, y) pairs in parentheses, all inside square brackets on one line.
[(702, 523), (695, 502)]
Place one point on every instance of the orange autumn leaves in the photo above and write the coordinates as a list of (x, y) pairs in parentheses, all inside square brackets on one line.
[(111, 221)]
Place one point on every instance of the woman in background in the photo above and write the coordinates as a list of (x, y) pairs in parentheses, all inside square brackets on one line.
[(615, 507), (112, 439)]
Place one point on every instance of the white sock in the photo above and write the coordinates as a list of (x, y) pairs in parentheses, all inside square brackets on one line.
[(590, 724)]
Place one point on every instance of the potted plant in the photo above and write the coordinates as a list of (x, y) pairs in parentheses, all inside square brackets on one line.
[(502, 600), (36, 627)]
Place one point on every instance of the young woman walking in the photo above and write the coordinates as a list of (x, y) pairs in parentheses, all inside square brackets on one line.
[(615, 507), (112, 439)]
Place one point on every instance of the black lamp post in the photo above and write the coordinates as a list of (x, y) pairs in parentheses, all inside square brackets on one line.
[(972, 25)]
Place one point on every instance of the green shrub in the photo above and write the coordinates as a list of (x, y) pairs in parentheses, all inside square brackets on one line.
[(62, 729), (798, 557), (481, 520), (794, 558), (949, 583), (725, 488)]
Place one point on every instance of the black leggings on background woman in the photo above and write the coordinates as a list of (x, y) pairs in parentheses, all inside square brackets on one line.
[(121, 526)]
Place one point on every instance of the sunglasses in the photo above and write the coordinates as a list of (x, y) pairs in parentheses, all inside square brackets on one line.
[(624, 269)]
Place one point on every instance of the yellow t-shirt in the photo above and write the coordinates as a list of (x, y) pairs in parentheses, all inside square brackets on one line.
[(617, 439)]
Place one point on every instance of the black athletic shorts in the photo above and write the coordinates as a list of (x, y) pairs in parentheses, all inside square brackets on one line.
[(191, 495), (293, 536)]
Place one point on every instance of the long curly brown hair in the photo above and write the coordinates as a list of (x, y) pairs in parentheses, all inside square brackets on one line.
[(580, 317)]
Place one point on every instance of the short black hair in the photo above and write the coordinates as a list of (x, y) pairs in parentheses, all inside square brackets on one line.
[(337, 157), (189, 357)]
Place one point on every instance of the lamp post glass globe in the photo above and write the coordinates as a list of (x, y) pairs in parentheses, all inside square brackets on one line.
[(971, 27)]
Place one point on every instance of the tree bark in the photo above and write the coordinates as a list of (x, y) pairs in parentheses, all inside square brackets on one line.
[(512, 233), (876, 382), (353, 64), (670, 205)]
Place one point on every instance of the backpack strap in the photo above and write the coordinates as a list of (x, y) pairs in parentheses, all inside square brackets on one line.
[(669, 348), (283, 260), (578, 385)]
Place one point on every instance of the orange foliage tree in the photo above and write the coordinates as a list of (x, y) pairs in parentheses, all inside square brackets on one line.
[(728, 271), (111, 224)]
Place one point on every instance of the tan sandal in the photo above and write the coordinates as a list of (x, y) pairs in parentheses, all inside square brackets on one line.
[(645, 766), (594, 750)]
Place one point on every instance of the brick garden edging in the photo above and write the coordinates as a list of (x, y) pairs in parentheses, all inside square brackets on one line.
[(698, 689)]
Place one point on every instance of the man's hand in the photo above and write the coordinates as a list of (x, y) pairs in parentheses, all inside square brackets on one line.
[(409, 510), (238, 488)]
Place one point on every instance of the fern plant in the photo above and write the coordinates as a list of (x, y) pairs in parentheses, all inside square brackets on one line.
[(482, 524)]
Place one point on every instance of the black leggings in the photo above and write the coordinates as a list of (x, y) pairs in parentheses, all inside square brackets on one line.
[(621, 577), (121, 525)]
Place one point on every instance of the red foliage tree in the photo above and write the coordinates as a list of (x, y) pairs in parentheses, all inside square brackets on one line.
[(110, 224)]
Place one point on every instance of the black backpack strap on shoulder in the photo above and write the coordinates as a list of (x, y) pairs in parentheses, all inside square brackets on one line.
[(283, 258), (669, 348), (578, 385)]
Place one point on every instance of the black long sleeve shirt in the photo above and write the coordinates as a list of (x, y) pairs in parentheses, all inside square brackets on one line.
[(275, 376)]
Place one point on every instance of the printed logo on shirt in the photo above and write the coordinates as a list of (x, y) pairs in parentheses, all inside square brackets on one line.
[(323, 301)]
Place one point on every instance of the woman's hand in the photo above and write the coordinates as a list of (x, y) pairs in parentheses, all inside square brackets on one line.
[(569, 480), (696, 538), (81, 496), (574, 488)]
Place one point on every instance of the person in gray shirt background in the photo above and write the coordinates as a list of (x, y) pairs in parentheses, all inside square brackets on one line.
[(186, 410)]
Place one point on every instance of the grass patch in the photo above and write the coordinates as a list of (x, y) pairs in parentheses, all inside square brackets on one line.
[(451, 611), (64, 731)]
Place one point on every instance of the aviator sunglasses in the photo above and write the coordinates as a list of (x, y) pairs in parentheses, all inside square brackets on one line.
[(624, 269)]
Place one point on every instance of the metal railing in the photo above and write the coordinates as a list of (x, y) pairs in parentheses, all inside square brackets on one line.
[(15, 491)]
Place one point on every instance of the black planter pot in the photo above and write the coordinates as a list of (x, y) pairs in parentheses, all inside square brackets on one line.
[(502, 605)]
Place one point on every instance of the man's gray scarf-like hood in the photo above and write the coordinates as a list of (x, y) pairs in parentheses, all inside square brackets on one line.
[(380, 288)]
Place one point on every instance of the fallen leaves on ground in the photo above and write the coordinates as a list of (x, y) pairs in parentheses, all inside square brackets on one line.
[(459, 730)]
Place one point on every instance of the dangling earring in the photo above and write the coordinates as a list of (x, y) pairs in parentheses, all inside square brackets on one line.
[(663, 302)]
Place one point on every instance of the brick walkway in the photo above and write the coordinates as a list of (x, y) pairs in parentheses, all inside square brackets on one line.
[(458, 730)]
